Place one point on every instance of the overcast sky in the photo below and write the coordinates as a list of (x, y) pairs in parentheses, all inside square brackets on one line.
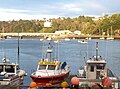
[(39, 9)]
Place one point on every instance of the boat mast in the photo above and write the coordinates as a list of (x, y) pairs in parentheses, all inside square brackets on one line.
[(58, 51), (18, 50), (50, 51), (97, 51)]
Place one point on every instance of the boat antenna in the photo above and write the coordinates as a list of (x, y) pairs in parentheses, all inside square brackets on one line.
[(18, 50), (85, 60), (58, 51), (97, 51), (87, 52), (42, 49), (84, 56)]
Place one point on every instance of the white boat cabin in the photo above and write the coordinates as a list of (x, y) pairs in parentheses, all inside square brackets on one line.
[(96, 68), (8, 70)]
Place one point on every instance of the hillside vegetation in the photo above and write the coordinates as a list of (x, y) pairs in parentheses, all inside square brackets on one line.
[(87, 25)]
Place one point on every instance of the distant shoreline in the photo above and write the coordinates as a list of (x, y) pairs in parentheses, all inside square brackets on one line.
[(64, 37)]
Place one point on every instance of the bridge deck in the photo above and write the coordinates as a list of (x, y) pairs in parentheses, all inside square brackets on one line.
[(55, 36)]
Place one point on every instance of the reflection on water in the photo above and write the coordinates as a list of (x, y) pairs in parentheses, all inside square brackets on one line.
[(70, 51)]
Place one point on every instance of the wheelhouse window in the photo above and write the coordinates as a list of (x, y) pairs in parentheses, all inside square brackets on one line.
[(1, 68), (42, 67), (17, 67), (100, 66), (9, 69), (51, 67)]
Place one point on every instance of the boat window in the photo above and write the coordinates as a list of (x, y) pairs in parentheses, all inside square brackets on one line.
[(51, 67), (100, 66), (17, 67), (1, 68), (42, 67), (63, 65), (9, 68), (92, 68)]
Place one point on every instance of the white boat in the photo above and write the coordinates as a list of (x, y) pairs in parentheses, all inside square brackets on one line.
[(95, 70), (41, 39), (102, 38), (82, 41), (110, 38), (56, 41), (50, 71), (49, 38), (10, 73), (88, 38), (8, 37), (67, 39)]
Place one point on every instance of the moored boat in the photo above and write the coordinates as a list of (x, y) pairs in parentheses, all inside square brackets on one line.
[(110, 38), (10, 73), (95, 71), (82, 41), (50, 71), (67, 39)]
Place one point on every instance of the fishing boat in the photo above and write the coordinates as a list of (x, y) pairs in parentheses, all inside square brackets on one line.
[(50, 71), (10, 73), (95, 70)]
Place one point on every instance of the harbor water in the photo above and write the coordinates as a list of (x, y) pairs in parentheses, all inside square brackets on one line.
[(74, 53)]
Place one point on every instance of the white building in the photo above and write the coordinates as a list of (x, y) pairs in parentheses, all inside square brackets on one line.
[(47, 24), (77, 32)]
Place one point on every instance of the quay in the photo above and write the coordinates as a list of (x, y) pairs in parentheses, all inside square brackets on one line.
[(54, 35)]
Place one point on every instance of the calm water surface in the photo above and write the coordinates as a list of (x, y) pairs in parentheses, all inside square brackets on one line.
[(70, 51)]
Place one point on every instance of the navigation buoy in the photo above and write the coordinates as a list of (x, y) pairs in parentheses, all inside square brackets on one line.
[(33, 85), (64, 84), (75, 81)]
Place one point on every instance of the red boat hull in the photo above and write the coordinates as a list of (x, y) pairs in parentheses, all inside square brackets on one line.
[(49, 80)]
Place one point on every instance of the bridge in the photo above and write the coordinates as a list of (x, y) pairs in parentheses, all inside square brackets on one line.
[(43, 35), (54, 35), (25, 34)]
